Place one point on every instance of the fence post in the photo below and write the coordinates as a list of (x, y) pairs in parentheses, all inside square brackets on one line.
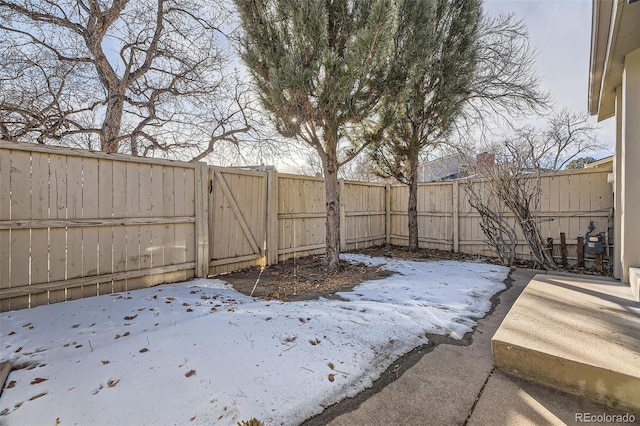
[(272, 217), (456, 217), (202, 219), (343, 218), (387, 209), (580, 252), (563, 249)]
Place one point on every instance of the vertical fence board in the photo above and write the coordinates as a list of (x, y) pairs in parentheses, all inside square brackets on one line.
[(57, 236), (106, 190), (146, 205), (74, 235), (5, 234), (40, 236), (157, 231), (119, 232), (169, 250), (180, 243), (90, 247), (133, 231), (20, 182)]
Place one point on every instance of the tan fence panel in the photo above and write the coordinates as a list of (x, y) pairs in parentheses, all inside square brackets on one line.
[(435, 215), (237, 226), (399, 225), (301, 216), (76, 224), (569, 200), (364, 214)]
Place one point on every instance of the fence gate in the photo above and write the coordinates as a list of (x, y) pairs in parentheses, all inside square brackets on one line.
[(237, 219)]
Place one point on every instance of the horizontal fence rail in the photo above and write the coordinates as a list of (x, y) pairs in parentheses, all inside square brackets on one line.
[(75, 223)]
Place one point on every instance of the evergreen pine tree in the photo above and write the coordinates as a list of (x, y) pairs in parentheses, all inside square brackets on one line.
[(320, 68)]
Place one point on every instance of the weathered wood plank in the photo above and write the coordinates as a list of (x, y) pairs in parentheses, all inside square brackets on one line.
[(168, 185), (39, 237), (20, 182), (272, 217), (82, 281), (90, 201), (5, 202), (91, 222), (57, 235), (234, 207), (83, 153), (229, 260), (119, 233), (202, 219)]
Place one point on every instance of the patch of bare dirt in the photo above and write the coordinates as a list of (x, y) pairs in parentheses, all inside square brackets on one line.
[(302, 279), (307, 278)]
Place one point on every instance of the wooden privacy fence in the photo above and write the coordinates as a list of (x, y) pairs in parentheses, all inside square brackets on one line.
[(75, 223), (569, 201)]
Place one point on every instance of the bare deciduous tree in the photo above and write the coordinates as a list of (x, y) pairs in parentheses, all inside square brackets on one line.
[(120, 76), (505, 83), (513, 183)]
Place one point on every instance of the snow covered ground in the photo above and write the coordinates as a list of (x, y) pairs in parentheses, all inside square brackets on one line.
[(201, 353)]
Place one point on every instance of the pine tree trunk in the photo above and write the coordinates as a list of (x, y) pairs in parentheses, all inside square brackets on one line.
[(332, 193), (412, 210)]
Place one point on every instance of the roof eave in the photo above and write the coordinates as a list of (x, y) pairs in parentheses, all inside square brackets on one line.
[(600, 31)]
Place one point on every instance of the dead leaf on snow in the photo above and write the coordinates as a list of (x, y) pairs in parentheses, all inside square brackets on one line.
[(38, 380), (130, 317), (112, 382), (331, 377), (330, 365), (105, 361), (189, 310), (190, 373), (192, 418), (11, 384), (12, 333), (18, 350), (143, 350), (37, 396), (75, 326)]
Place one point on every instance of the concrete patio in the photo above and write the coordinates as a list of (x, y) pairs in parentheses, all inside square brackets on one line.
[(458, 385), (579, 335)]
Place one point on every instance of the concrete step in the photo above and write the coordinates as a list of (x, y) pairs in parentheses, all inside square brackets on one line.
[(574, 334)]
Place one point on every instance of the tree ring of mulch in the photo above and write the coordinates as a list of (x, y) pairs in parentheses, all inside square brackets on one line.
[(303, 278), (306, 278)]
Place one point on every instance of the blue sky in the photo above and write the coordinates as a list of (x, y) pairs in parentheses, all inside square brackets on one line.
[(560, 31)]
